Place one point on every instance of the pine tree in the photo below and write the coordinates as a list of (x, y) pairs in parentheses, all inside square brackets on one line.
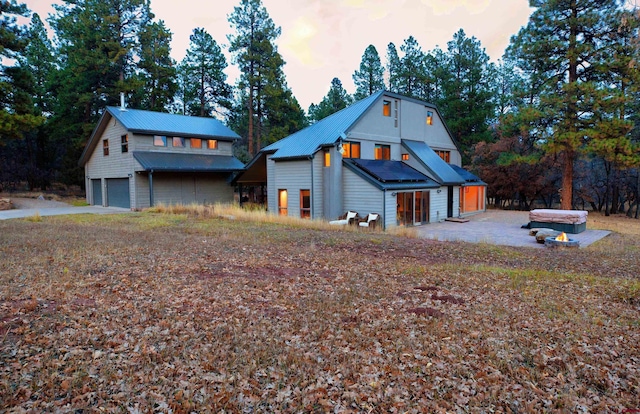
[(205, 90), (336, 99), (560, 49), (466, 99), (370, 77), (97, 45), (393, 68), (254, 51), (156, 69), (411, 76)]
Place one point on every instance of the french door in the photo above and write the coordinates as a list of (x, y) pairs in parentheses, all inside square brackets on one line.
[(412, 208)]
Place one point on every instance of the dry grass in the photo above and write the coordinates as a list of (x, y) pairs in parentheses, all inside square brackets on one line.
[(186, 312)]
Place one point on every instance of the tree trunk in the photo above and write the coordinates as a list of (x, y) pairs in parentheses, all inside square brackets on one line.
[(567, 181)]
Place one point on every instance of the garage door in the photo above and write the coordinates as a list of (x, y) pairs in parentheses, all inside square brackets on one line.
[(118, 192), (96, 190)]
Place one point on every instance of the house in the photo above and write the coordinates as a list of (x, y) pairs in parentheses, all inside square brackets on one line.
[(136, 159), (386, 154)]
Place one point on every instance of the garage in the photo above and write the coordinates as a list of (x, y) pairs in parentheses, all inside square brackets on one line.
[(118, 192), (96, 190)]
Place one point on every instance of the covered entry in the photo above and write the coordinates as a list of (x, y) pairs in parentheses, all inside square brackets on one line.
[(118, 192)]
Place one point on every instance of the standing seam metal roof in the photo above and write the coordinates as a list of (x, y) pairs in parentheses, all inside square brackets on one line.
[(327, 131), (442, 172), (158, 123), (175, 162)]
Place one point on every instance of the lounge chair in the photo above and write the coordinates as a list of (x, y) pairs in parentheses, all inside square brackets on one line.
[(348, 218), (370, 221)]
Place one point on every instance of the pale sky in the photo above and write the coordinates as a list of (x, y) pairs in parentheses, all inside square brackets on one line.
[(323, 39)]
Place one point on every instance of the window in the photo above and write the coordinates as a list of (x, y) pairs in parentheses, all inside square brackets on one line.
[(382, 152), (429, 118), (395, 113), (405, 157), (386, 108), (124, 143), (178, 142), (305, 204), (282, 203), (105, 147), (196, 143), (212, 144), (327, 158), (445, 155), (351, 150), (159, 140)]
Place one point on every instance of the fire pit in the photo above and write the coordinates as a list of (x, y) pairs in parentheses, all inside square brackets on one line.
[(561, 241)]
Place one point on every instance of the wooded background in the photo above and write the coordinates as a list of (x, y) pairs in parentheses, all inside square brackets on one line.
[(553, 121)]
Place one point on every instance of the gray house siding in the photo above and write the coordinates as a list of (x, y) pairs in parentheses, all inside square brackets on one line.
[(317, 190), (292, 176), (361, 196), (115, 165)]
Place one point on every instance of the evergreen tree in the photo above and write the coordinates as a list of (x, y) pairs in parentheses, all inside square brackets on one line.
[(370, 77), (411, 75), (336, 99), (254, 51), (393, 68), (16, 117), (157, 70), (466, 100), (560, 49), (205, 88), (35, 149), (97, 44)]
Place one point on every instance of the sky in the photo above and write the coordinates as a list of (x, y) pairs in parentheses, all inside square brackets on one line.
[(323, 39)]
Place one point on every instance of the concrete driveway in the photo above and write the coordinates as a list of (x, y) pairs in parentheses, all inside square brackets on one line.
[(497, 227), (29, 207)]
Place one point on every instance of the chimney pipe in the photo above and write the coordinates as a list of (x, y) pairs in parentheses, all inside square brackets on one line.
[(122, 106)]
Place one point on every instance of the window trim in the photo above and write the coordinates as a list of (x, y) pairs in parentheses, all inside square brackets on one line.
[(348, 147), (159, 138), (382, 148), (124, 143), (305, 212), (283, 202), (180, 140), (386, 108)]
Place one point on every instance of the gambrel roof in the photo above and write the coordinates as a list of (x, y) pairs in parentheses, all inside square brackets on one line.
[(142, 122)]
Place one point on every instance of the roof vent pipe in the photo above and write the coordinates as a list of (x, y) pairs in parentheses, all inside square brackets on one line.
[(122, 106)]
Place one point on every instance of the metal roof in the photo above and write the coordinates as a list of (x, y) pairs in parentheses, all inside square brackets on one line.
[(158, 123), (327, 131), (390, 175), (437, 167), (468, 177), (180, 162)]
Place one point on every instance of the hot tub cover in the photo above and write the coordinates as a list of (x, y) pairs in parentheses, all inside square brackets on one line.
[(558, 216)]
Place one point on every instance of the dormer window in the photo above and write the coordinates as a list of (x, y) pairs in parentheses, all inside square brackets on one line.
[(386, 108)]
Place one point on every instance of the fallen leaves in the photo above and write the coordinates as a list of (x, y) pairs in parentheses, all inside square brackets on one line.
[(107, 315)]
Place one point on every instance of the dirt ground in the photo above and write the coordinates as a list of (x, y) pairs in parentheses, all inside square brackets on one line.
[(28, 202)]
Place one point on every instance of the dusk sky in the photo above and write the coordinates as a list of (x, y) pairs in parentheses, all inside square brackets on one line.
[(323, 39)]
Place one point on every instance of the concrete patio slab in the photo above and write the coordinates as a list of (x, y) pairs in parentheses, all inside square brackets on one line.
[(497, 227)]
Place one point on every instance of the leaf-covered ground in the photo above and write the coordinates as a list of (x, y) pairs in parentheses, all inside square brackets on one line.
[(160, 313)]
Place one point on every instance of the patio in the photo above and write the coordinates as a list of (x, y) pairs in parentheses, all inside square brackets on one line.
[(497, 227)]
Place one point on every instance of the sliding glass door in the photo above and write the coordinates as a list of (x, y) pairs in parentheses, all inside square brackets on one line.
[(412, 208)]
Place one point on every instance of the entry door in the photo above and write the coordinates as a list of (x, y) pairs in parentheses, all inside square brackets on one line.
[(96, 191), (450, 201)]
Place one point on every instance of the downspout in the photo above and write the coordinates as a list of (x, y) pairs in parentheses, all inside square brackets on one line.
[(311, 196), (384, 209), (150, 188)]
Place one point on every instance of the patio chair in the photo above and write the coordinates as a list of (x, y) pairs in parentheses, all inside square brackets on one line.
[(348, 218), (370, 221)]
